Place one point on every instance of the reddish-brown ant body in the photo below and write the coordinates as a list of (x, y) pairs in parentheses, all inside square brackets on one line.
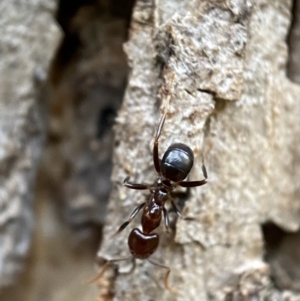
[(172, 169)]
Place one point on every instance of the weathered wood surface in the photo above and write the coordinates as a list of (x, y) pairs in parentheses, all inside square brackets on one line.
[(230, 91), (86, 82)]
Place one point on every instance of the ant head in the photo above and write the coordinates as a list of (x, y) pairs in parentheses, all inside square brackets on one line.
[(177, 162)]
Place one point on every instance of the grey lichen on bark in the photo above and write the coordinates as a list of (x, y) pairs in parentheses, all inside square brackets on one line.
[(28, 40), (230, 91)]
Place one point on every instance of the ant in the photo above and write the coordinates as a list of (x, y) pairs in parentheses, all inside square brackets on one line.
[(172, 169)]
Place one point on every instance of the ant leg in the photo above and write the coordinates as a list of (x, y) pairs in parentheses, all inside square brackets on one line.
[(179, 214), (166, 218), (106, 265), (166, 282), (204, 171), (192, 183), (137, 186), (133, 261), (176, 209), (195, 183), (132, 216), (132, 268)]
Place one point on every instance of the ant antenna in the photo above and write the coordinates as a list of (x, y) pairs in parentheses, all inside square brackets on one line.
[(168, 90)]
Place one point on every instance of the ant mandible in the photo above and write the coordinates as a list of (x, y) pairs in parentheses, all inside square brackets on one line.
[(172, 169)]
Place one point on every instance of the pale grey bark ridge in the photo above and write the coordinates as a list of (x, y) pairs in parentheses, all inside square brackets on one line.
[(28, 39), (230, 90)]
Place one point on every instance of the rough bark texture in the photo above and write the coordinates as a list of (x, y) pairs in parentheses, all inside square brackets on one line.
[(230, 91), (25, 26), (230, 97), (86, 81), (80, 130)]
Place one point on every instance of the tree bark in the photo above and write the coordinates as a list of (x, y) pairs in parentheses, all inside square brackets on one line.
[(28, 40), (230, 92)]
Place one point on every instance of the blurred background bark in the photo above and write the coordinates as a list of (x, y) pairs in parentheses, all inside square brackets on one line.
[(236, 89), (29, 37)]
